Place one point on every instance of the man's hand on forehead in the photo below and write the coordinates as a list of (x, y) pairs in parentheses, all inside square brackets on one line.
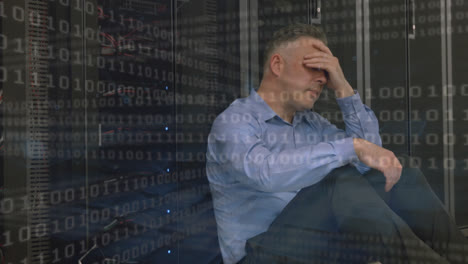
[(323, 60), (322, 50), (318, 44)]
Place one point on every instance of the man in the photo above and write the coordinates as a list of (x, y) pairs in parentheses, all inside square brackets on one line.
[(264, 149)]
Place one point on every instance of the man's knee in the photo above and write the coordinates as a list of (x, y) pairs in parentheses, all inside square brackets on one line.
[(412, 176), (409, 161)]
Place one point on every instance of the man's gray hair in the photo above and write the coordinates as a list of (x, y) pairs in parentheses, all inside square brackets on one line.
[(291, 33)]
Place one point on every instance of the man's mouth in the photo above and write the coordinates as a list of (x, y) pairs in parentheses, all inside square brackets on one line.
[(314, 93)]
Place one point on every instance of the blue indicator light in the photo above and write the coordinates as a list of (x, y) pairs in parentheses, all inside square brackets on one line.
[(167, 128), (168, 211), (169, 251), (167, 170)]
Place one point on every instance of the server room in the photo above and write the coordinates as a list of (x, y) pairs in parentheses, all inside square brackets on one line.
[(233, 131)]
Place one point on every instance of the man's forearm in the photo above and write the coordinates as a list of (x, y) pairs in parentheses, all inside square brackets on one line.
[(360, 121), (345, 91)]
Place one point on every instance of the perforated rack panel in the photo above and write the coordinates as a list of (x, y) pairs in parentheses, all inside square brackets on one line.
[(38, 176)]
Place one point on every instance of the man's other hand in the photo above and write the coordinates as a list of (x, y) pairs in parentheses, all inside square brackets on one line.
[(380, 159)]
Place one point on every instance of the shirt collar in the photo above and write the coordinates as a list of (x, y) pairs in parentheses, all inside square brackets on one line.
[(260, 107), (264, 111)]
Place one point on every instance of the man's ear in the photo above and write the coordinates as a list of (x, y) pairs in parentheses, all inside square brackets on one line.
[(276, 64)]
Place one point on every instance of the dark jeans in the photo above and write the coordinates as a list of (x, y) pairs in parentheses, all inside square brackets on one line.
[(349, 218)]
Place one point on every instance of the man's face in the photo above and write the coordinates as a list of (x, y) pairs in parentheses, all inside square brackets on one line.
[(302, 85)]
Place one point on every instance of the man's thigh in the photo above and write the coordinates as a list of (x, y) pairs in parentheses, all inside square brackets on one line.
[(311, 207)]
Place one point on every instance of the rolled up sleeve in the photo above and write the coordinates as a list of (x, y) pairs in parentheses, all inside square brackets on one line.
[(360, 122)]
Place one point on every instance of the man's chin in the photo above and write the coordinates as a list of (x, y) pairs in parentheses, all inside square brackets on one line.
[(308, 107)]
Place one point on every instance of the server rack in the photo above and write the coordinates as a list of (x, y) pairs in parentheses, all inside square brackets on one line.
[(110, 106)]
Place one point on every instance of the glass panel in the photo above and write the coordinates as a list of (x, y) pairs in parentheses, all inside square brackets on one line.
[(426, 100), (388, 72)]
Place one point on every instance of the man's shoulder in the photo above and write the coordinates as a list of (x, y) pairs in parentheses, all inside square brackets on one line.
[(238, 114)]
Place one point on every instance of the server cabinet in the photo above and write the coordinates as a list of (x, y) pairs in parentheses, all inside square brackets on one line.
[(44, 126), (131, 188), (207, 67), (25, 159), (107, 107), (414, 92)]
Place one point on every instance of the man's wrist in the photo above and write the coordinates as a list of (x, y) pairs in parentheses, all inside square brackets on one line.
[(358, 143), (344, 92)]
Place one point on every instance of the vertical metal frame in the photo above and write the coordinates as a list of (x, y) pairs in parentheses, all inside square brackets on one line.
[(367, 62), (411, 19), (363, 51), (449, 112), (244, 45), (315, 11), (249, 57), (447, 102), (410, 34), (359, 48), (253, 47)]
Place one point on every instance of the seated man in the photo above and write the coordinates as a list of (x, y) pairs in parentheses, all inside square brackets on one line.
[(264, 150)]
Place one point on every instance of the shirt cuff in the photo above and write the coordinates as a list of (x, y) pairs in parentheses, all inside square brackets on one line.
[(344, 150), (351, 104)]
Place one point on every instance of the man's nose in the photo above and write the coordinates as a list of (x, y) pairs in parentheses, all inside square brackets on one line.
[(322, 76)]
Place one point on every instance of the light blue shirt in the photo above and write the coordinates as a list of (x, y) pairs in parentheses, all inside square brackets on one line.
[(257, 162)]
